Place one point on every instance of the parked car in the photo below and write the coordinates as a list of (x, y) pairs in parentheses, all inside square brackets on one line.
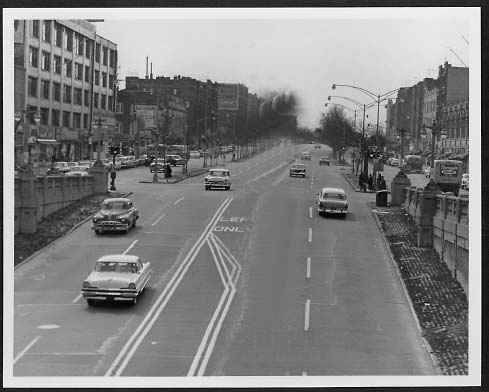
[(61, 166), (55, 171), (71, 164), (306, 155), (332, 200), (85, 163), (78, 171), (297, 169), (465, 181), (194, 155), (107, 163), (116, 278), (118, 162), (142, 160), (175, 160), (115, 214), (217, 178), (324, 161), (159, 164), (148, 159), (126, 162)]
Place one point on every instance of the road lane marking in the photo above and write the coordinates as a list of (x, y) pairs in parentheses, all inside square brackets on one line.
[(179, 200), (306, 315), (310, 235), (308, 271), (310, 212), (130, 247), (77, 298), (282, 176), (21, 354), (124, 356), (268, 172), (157, 220)]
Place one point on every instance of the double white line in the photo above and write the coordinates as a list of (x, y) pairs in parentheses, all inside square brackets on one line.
[(229, 277), (142, 330)]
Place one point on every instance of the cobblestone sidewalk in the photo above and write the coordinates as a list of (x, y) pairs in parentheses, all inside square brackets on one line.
[(438, 299)]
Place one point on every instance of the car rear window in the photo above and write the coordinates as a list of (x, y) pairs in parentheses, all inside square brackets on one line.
[(337, 196), (110, 266)]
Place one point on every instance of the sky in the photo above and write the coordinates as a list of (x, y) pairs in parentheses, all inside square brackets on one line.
[(302, 49)]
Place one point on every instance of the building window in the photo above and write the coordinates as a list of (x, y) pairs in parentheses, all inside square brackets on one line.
[(97, 53), (67, 94), (102, 101), (97, 77), (76, 120), (44, 116), (32, 86), (86, 100), (66, 119), (55, 117), (46, 31), (105, 55), (104, 79), (110, 103), (68, 69), (77, 96), (45, 61), (68, 39), (95, 100), (58, 35), (112, 58), (111, 81), (57, 64), (85, 121), (79, 44), (57, 91), (88, 49), (33, 56), (78, 71), (45, 89), (35, 28)]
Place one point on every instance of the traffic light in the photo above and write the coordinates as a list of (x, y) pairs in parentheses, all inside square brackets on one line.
[(113, 150)]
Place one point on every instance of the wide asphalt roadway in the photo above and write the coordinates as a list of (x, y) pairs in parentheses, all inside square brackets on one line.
[(250, 282)]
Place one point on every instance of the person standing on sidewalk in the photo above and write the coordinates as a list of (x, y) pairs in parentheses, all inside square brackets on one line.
[(370, 183), (362, 180)]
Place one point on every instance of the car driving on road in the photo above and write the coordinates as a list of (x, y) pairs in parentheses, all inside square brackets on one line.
[(115, 214), (117, 278), (333, 201), (217, 178), (297, 169), (324, 161), (306, 155)]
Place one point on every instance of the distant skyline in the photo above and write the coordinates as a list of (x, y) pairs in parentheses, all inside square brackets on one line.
[(306, 50)]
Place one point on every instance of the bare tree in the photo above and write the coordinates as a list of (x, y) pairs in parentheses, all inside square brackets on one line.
[(336, 130)]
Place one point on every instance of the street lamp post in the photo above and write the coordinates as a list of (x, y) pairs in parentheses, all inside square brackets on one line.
[(435, 133)]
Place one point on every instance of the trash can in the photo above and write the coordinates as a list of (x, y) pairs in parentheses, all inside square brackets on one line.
[(381, 198)]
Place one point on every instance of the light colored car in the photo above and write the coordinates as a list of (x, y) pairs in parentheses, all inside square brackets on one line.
[(78, 171), (159, 164), (217, 178), (465, 181), (395, 162), (194, 154), (107, 163), (62, 166), (333, 201), (71, 164), (85, 163), (306, 155), (427, 172), (115, 214), (324, 161), (116, 277), (174, 159), (297, 169)]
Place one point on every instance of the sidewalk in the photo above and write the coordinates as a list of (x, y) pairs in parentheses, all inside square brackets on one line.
[(438, 300)]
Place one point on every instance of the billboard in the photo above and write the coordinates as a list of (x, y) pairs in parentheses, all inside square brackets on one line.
[(227, 96), (147, 114)]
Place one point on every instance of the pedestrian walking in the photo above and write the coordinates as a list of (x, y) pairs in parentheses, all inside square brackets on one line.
[(370, 183)]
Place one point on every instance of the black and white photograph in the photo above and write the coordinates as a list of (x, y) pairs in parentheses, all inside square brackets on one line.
[(242, 197)]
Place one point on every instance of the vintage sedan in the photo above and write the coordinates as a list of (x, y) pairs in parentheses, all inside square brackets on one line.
[(116, 214), (324, 161), (78, 171), (217, 178), (306, 155), (333, 201), (297, 169), (158, 164), (118, 278)]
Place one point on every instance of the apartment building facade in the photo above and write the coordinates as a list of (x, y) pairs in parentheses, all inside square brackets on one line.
[(70, 77)]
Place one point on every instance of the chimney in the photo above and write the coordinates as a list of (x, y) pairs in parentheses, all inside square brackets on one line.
[(146, 77), (151, 74)]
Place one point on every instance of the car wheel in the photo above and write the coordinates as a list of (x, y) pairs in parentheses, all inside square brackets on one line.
[(228, 187), (98, 232), (90, 302)]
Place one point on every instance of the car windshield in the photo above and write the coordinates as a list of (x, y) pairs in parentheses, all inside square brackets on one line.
[(297, 166), (111, 266), (115, 205), (223, 173), (337, 196)]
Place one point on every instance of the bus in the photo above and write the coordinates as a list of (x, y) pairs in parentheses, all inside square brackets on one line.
[(447, 174), (413, 164)]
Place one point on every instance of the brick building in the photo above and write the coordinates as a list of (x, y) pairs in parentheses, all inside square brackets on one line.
[(233, 113)]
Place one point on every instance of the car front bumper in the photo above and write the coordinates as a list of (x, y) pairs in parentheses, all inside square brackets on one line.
[(297, 173), (110, 225)]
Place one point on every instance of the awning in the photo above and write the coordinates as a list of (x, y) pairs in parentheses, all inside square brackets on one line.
[(47, 141)]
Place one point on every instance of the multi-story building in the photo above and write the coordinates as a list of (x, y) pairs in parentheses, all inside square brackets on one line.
[(233, 112), (455, 122), (69, 80), (200, 99)]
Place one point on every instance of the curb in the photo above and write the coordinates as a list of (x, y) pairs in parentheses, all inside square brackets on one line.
[(52, 243), (427, 346)]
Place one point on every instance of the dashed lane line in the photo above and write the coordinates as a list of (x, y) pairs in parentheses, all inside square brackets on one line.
[(22, 353)]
